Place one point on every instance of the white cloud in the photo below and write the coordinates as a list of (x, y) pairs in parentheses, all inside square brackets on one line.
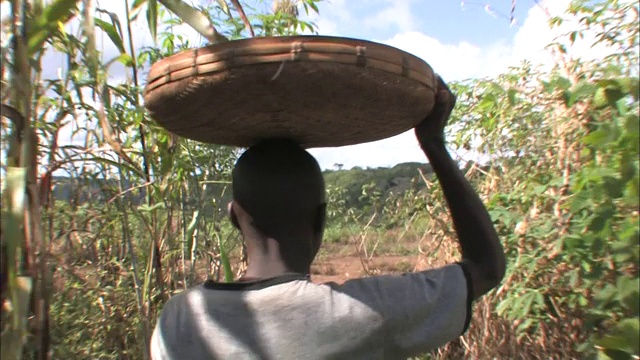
[(535, 35), (460, 61), (337, 15), (54, 64), (465, 60), (454, 61), (398, 13), (383, 153), (331, 14)]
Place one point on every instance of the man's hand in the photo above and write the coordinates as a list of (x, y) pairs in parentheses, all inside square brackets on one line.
[(482, 253), (431, 130)]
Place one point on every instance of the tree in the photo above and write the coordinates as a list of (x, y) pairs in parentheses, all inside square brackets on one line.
[(132, 246)]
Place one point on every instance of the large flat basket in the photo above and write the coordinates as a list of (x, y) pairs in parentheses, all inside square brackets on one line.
[(320, 91)]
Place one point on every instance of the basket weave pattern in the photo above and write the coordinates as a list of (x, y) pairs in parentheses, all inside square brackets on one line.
[(320, 91)]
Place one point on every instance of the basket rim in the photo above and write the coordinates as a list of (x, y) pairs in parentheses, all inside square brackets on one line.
[(178, 86), (221, 57)]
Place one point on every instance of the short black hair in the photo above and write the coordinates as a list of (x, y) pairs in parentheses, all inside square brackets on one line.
[(281, 186)]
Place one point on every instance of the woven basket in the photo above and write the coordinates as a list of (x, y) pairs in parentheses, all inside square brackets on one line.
[(320, 91)]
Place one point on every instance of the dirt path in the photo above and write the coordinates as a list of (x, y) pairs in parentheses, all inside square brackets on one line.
[(341, 269)]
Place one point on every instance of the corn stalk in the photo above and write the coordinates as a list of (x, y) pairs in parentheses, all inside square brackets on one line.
[(22, 238)]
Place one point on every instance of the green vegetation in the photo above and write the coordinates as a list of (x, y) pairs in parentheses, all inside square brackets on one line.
[(143, 216), (387, 181)]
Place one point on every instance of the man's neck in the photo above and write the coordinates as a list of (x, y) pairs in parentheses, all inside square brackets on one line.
[(258, 269), (264, 261)]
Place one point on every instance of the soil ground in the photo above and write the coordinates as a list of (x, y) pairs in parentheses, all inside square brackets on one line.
[(340, 262), (342, 268), (336, 262)]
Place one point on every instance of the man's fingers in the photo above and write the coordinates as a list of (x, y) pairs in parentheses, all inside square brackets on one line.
[(444, 105), (444, 97)]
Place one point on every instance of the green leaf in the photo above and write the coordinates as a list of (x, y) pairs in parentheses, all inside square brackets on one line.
[(612, 342), (106, 96), (614, 96), (614, 187), (631, 86), (572, 242), (582, 200), (583, 301), (632, 192), (194, 18), (606, 295), (629, 232), (598, 137), (224, 6), (630, 330), (601, 220), (91, 54), (14, 198), (525, 325), (596, 175), (504, 306), (612, 354), (527, 303), (124, 59), (582, 90), (600, 98), (487, 103), (627, 167), (226, 264), (511, 93), (629, 293), (13, 338), (152, 18), (243, 16), (560, 83), (313, 5), (608, 95), (572, 36), (115, 22), (632, 124), (623, 253), (111, 31), (627, 85), (540, 189), (135, 9), (58, 11), (147, 208)]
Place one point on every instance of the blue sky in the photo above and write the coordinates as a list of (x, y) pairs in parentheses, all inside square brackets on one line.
[(445, 20), (459, 42), (476, 39)]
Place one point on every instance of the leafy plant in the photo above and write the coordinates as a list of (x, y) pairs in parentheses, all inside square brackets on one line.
[(143, 213)]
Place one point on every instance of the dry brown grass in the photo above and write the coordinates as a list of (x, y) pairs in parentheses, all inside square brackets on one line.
[(323, 269), (491, 336)]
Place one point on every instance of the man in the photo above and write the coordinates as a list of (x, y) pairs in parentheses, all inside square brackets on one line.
[(276, 312)]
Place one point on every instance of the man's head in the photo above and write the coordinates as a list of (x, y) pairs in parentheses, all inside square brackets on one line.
[(280, 186)]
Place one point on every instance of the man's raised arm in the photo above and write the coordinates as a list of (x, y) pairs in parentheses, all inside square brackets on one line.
[(482, 252)]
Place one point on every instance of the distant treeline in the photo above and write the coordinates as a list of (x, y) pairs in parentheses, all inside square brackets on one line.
[(392, 180), (387, 181)]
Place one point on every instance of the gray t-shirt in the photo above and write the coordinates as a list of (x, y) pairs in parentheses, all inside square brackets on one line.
[(289, 317)]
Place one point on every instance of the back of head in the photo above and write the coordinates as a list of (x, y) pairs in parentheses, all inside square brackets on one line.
[(281, 186)]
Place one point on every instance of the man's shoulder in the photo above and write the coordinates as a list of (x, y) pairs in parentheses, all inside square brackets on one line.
[(220, 295), (180, 299), (445, 273)]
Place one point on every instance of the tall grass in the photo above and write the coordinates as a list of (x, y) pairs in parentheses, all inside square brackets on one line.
[(139, 214)]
